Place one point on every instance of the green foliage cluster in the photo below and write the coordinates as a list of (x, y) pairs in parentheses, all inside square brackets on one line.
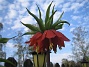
[(43, 25)]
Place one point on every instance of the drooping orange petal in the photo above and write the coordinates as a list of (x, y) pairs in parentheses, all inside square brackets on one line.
[(38, 35), (46, 44), (54, 40), (43, 36), (55, 48), (61, 43), (49, 34), (32, 42), (39, 42), (42, 41), (60, 35), (32, 38)]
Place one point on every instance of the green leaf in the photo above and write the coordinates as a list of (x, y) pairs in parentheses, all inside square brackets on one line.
[(7, 61), (63, 21), (59, 26), (31, 27), (39, 21), (2, 66), (49, 23), (4, 40), (39, 14), (29, 33), (61, 15), (52, 13), (48, 13), (59, 22), (1, 26), (39, 11)]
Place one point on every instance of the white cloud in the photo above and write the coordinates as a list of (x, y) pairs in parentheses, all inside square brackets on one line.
[(3, 4), (22, 11), (1, 1), (1, 8), (76, 17), (57, 2), (33, 9), (57, 15), (17, 25), (66, 5), (75, 6), (72, 29), (28, 20), (0, 19), (24, 3), (12, 6), (86, 19), (10, 49), (17, 8), (12, 14), (9, 45), (69, 6), (26, 29)]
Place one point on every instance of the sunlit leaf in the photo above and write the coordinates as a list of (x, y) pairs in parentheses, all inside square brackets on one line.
[(31, 27), (30, 33), (1, 26), (4, 40), (49, 22), (62, 21), (61, 16), (48, 13), (39, 11), (52, 13), (59, 22), (6, 61), (2, 66), (39, 21), (59, 26)]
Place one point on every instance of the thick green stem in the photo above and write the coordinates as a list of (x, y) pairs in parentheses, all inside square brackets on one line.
[(48, 59), (37, 61)]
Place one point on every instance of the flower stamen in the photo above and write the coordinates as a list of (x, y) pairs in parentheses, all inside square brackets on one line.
[(51, 44)]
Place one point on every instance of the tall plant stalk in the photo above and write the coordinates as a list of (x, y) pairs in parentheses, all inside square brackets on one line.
[(48, 59)]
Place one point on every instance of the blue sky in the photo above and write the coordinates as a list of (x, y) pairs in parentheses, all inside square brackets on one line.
[(14, 11)]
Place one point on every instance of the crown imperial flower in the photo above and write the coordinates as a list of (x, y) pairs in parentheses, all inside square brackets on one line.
[(45, 35)]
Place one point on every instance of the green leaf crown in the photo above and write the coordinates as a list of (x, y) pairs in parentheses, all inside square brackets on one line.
[(47, 24)]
